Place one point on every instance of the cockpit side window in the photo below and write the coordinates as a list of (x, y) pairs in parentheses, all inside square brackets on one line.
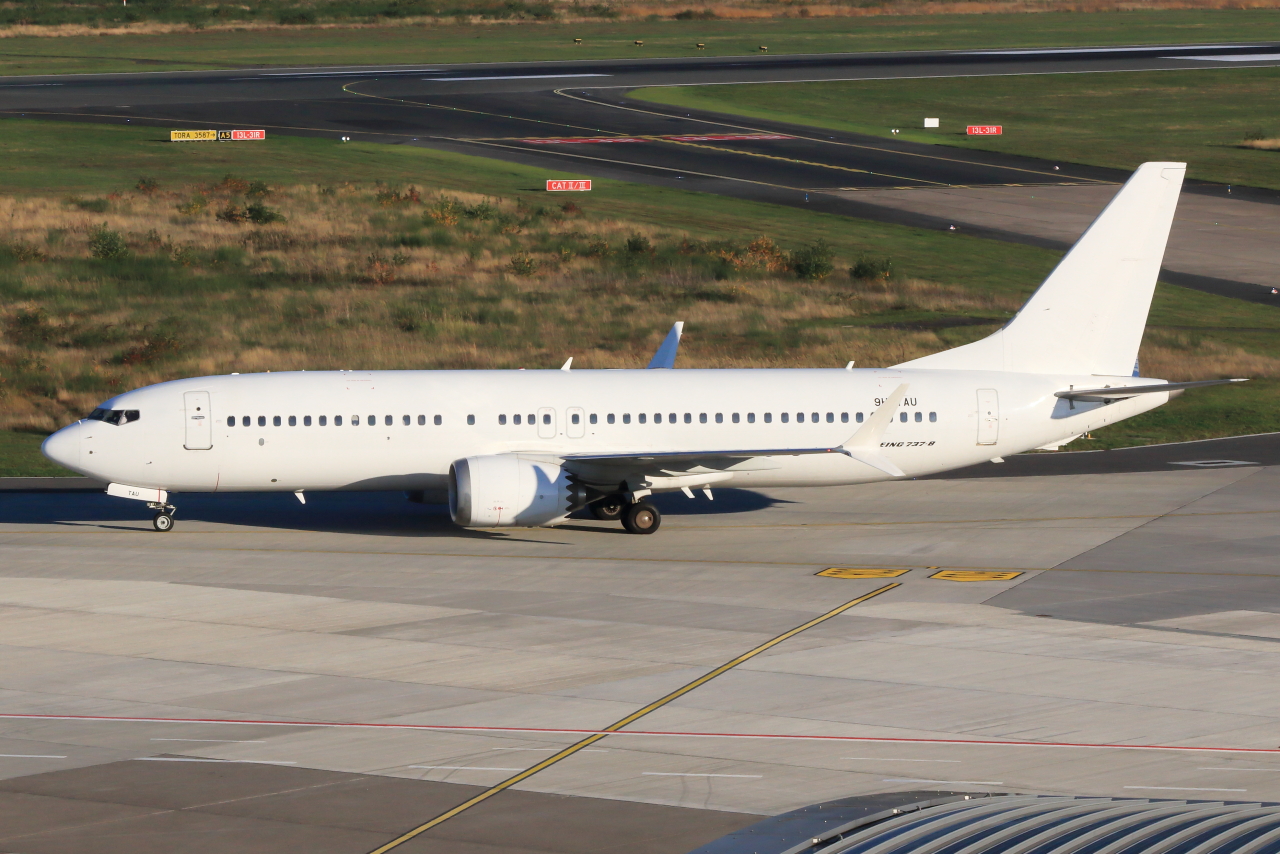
[(115, 416)]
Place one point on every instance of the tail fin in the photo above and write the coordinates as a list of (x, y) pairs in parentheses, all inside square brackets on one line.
[(1089, 315)]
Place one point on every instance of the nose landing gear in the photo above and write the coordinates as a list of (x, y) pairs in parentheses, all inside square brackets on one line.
[(163, 520)]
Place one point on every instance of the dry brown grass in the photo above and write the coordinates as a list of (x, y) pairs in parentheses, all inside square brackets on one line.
[(370, 277), (1263, 144)]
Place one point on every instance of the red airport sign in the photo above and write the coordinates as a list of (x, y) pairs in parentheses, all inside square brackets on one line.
[(567, 186), (984, 130), (248, 134)]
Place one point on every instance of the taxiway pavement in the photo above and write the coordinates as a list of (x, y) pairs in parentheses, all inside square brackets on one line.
[(199, 685)]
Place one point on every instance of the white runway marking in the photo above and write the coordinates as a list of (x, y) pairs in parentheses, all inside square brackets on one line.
[(551, 749), (1249, 57), (946, 782), (1183, 789), (881, 759), (252, 762), (29, 756), (211, 740), (673, 774), (1238, 769)]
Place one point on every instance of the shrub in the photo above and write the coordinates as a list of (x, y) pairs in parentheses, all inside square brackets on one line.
[(148, 185), (233, 214), (151, 349), (867, 268), (257, 190), (24, 252), (194, 206), (260, 214), (107, 245), (638, 244), (29, 328), (695, 15), (523, 265), (813, 261), (388, 197), (91, 205)]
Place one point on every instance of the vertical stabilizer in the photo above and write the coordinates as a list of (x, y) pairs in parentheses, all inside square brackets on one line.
[(1089, 315)]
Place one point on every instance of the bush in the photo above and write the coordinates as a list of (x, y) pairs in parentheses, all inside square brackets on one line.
[(695, 15), (260, 214), (233, 214), (91, 205), (107, 245), (638, 244), (866, 268), (257, 190), (147, 185), (813, 261), (29, 328), (523, 265)]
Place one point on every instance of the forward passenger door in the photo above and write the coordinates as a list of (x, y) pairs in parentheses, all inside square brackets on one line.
[(199, 435)]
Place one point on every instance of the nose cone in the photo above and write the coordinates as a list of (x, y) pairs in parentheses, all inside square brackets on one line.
[(63, 447)]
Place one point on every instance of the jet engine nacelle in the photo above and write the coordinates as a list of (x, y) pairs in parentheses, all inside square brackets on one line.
[(505, 490)]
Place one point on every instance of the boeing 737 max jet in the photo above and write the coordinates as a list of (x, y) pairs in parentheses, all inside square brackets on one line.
[(527, 448)]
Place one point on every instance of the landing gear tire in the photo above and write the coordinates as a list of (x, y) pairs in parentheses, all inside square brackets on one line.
[(642, 518), (610, 508), (162, 522)]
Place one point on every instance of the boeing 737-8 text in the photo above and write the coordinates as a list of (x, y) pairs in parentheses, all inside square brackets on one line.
[(527, 448)]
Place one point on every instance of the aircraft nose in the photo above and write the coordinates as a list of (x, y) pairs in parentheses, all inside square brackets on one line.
[(63, 447)]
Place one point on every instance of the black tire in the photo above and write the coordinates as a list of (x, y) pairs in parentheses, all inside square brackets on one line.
[(609, 509), (642, 518), (162, 522)]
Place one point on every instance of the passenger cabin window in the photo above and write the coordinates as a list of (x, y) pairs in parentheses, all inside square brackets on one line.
[(688, 418), (799, 417), (719, 418), (293, 421), (844, 418), (768, 418), (609, 418), (919, 417), (246, 421), (575, 418), (324, 420), (372, 421), (502, 419), (407, 420), (471, 420), (902, 416), (751, 418), (933, 416), (262, 421), (275, 421), (337, 421), (355, 420), (859, 417), (626, 418), (546, 418), (594, 419), (641, 417), (814, 417), (306, 421), (438, 421), (515, 419), (231, 421), (785, 416), (422, 420)]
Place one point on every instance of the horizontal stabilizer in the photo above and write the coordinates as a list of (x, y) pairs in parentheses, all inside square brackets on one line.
[(666, 355), (1096, 395)]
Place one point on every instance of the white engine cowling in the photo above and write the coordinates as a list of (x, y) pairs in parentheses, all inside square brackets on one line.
[(506, 490)]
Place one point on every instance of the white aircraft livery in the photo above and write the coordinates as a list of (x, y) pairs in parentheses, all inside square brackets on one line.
[(527, 448)]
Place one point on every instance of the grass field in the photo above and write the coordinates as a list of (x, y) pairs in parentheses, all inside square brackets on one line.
[(529, 41), (395, 257), (1119, 120)]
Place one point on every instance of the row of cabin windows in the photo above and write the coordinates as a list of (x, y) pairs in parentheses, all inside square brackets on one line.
[(593, 418), (323, 420), (736, 417)]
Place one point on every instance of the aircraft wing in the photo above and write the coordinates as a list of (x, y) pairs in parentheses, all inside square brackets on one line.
[(1097, 395)]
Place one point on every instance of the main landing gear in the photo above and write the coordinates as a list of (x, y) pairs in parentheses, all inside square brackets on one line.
[(610, 508), (163, 520), (641, 518)]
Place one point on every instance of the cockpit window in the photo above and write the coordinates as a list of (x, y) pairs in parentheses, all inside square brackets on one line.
[(115, 416)]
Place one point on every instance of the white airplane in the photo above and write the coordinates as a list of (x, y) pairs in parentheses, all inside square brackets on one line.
[(527, 448)]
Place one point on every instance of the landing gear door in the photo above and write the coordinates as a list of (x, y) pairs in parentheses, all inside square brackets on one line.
[(546, 423), (988, 416), (199, 421)]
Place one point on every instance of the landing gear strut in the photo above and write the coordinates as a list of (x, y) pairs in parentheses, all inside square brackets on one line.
[(641, 518), (163, 520), (610, 508)]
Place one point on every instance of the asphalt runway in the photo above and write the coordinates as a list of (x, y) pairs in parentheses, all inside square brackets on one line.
[(535, 113)]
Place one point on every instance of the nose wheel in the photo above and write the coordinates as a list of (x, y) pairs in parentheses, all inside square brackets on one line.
[(163, 520), (641, 518)]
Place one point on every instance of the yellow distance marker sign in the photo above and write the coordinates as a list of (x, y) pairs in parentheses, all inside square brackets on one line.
[(861, 572), (192, 135), (974, 575)]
